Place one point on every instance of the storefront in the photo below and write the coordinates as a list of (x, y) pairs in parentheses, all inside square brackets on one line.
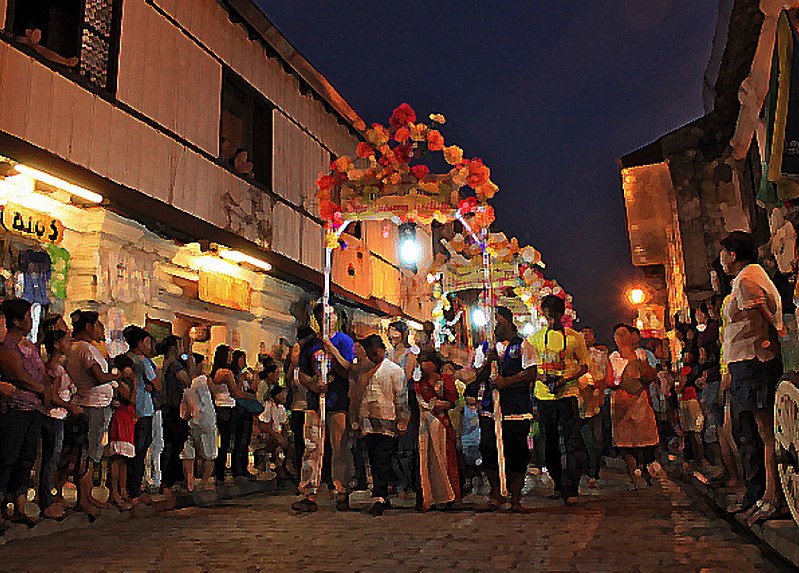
[(63, 251)]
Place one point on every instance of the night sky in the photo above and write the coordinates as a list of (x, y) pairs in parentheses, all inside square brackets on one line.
[(548, 93)]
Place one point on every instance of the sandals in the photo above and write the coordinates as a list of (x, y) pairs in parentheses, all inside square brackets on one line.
[(764, 511)]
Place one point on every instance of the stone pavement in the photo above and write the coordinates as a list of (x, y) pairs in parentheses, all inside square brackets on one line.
[(660, 529)]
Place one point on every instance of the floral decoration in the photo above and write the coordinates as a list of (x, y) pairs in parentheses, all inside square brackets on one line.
[(391, 180)]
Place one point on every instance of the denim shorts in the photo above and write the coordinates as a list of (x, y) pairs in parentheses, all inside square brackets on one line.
[(754, 384)]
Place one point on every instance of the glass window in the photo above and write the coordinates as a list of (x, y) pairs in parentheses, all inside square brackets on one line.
[(80, 35)]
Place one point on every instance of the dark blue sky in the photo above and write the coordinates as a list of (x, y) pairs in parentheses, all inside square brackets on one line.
[(549, 93)]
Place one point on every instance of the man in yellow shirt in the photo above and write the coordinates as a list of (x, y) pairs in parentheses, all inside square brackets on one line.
[(562, 359)]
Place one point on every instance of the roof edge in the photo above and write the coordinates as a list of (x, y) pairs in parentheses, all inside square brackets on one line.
[(256, 20)]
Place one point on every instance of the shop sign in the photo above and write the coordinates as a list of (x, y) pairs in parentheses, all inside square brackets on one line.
[(225, 290), (31, 224), (473, 276)]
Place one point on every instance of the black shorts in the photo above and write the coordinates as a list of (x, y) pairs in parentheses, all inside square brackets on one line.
[(753, 384), (514, 437)]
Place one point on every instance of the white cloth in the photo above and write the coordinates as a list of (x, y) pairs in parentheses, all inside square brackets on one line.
[(746, 336), (79, 361), (64, 390), (385, 399), (221, 394), (200, 403), (274, 414), (619, 364)]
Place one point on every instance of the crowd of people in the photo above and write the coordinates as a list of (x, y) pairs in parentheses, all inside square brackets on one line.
[(67, 407), (398, 416)]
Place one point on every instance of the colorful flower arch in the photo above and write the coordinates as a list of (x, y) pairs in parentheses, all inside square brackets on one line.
[(387, 179)]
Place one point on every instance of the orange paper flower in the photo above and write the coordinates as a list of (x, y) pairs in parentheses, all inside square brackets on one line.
[(435, 141), (479, 173), (487, 190), (418, 132), (364, 150), (402, 135), (377, 135), (343, 163)]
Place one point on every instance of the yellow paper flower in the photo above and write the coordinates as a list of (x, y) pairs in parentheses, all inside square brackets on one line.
[(453, 155), (438, 118), (331, 240), (460, 177), (418, 132)]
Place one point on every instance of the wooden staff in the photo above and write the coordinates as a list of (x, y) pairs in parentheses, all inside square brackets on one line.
[(489, 287)]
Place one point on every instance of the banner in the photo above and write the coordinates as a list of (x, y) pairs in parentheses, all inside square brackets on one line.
[(423, 207), (473, 276)]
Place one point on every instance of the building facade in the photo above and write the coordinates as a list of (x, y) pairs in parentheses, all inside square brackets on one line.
[(174, 146)]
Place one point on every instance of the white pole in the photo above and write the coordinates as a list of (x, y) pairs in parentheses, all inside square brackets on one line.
[(488, 287), (325, 326)]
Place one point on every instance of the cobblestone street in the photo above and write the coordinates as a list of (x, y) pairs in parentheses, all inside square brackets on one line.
[(661, 529)]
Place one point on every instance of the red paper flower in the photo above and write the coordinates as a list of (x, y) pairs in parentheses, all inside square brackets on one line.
[(402, 116), (468, 205), (364, 150), (326, 183), (420, 171), (403, 153), (328, 210)]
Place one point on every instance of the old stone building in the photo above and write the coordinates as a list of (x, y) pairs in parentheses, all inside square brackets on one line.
[(685, 191)]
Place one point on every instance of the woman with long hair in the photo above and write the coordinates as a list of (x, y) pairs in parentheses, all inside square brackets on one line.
[(407, 460), (635, 430), (20, 424), (248, 409), (222, 380)]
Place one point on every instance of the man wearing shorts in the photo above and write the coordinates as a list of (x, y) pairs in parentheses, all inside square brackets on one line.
[(751, 349)]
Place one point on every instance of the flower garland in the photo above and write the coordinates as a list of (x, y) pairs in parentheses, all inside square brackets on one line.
[(396, 184)]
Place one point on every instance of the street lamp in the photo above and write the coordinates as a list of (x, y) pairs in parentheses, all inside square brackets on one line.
[(636, 296), (410, 251), (479, 317)]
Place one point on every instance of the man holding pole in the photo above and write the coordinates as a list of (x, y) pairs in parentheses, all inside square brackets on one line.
[(339, 350), (515, 372)]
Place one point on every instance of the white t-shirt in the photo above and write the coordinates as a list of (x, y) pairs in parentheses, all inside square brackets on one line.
[(80, 359), (528, 355), (274, 414), (201, 403)]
